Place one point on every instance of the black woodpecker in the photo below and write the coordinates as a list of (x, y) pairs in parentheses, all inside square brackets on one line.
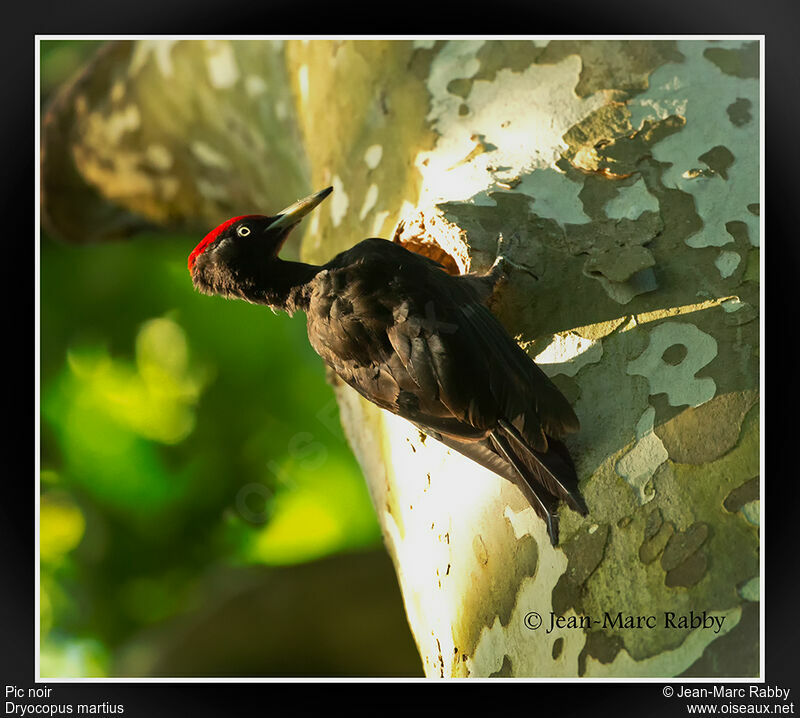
[(412, 339)]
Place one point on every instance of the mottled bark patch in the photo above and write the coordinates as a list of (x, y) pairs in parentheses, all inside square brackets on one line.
[(689, 572), (615, 253), (599, 646), (739, 111), (657, 534), (620, 65), (683, 545), (585, 552), (741, 495), (460, 86), (734, 654), (718, 159), (680, 381), (492, 596), (514, 55), (742, 62), (505, 671), (704, 433), (606, 144), (684, 562)]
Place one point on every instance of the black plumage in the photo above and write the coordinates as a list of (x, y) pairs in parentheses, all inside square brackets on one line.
[(414, 340)]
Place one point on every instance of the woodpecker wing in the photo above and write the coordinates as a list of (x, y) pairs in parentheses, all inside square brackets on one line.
[(421, 344), (458, 353)]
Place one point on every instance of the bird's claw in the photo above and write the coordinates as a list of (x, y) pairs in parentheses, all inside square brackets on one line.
[(501, 262)]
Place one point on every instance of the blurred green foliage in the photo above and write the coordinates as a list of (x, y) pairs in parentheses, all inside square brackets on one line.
[(59, 60), (178, 432)]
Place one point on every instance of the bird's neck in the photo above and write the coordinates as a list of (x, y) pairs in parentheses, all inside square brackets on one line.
[(284, 285)]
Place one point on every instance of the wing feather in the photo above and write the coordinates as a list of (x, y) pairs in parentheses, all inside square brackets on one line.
[(421, 343)]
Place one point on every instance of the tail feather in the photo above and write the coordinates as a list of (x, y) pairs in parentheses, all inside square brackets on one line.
[(543, 478), (544, 504), (553, 469)]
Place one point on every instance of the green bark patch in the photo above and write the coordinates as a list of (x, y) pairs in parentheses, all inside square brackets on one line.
[(530, 237), (593, 134), (565, 595), (620, 266), (738, 230), (739, 111), (623, 155), (752, 272), (600, 330), (493, 595), (514, 55), (701, 434), (684, 563), (674, 354), (505, 671), (616, 256), (586, 552), (718, 159), (741, 495), (460, 87), (742, 62), (606, 144), (600, 646), (610, 235), (688, 573), (597, 191), (494, 56), (682, 545), (678, 214), (657, 534), (699, 544), (600, 444), (734, 654), (623, 66), (735, 367)]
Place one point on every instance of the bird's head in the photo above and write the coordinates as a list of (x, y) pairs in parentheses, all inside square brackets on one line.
[(232, 258)]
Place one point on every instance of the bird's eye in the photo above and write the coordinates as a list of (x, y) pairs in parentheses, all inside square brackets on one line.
[(243, 231)]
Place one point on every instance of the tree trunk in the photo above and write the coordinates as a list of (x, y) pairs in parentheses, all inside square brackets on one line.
[(625, 176)]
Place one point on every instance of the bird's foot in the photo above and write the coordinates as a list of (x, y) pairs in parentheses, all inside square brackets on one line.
[(502, 263)]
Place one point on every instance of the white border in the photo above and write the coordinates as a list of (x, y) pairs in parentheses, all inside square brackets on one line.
[(37, 343)]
